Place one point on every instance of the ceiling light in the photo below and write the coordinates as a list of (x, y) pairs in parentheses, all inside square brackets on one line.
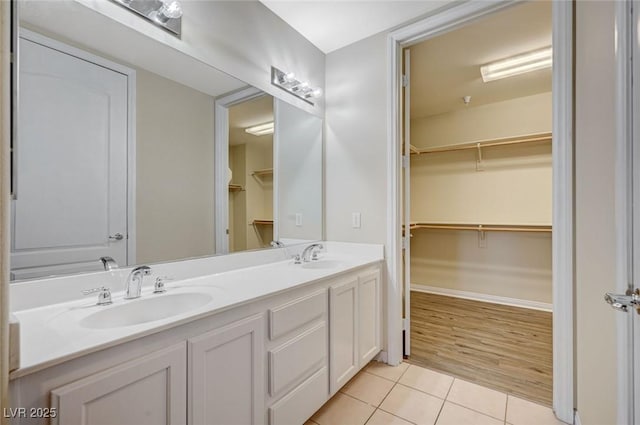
[(261, 129), (515, 65), (170, 9)]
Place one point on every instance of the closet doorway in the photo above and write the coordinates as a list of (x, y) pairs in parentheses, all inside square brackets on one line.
[(479, 216)]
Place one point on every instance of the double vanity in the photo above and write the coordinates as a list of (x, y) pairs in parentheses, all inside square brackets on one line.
[(248, 338)]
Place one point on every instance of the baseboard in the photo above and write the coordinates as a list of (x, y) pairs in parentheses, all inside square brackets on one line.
[(495, 299), (576, 418)]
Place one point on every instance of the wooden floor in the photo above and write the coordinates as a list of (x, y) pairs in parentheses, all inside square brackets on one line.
[(501, 347)]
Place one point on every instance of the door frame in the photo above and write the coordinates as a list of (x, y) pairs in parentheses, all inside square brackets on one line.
[(627, 164), (130, 73), (442, 21), (221, 161)]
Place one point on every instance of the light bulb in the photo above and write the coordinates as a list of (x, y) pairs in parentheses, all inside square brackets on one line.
[(317, 92), (171, 9)]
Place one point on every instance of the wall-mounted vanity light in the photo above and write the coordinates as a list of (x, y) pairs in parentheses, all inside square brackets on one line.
[(166, 14), (287, 81), (261, 129), (516, 65)]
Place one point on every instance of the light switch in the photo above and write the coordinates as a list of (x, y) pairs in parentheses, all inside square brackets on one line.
[(298, 219), (355, 220)]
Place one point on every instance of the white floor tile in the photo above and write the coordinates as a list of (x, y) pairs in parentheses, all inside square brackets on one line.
[(369, 388), (412, 405), (452, 414), (523, 412), (478, 398), (342, 410), (426, 380)]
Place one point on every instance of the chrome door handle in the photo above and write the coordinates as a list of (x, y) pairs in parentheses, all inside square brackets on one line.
[(622, 302), (117, 236)]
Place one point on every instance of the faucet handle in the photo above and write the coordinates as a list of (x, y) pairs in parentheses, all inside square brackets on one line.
[(104, 294), (158, 287), (296, 259)]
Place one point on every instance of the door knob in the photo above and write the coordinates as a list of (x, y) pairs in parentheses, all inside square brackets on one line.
[(117, 236)]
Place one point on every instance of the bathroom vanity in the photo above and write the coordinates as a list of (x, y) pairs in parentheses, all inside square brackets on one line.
[(262, 343)]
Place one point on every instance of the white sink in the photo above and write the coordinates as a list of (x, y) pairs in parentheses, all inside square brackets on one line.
[(147, 309), (323, 264)]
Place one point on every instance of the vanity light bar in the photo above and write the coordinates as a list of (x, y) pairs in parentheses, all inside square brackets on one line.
[(166, 14), (515, 65), (288, 82), (261, 129)]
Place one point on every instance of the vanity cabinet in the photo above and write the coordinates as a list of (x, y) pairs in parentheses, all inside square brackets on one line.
[(151, 390), (355, 320), (226, 375)]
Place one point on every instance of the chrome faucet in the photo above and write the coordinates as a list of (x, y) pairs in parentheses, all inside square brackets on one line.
[(133, 286), (310, 252), (109, 263)]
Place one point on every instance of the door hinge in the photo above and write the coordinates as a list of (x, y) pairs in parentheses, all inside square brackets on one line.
[(405, 81), (405, 161), (405, 242)]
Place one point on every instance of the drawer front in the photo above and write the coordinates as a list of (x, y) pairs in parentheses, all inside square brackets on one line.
[(296, 358), (301, 402), (290, 316)]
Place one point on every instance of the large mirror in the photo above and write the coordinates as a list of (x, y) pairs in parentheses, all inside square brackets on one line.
[(115, 153)]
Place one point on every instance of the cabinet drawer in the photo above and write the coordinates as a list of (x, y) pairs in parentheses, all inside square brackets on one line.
[(301, 402), (293, 360), (290, 316)]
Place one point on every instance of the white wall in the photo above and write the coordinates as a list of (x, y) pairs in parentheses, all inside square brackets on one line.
[(595, 227), (174, 177), (356, 141)]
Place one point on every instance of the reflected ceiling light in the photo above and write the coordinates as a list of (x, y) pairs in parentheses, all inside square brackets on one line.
[(166, 14), (288, 82), (170, 9), (261, 129), (516, 65)]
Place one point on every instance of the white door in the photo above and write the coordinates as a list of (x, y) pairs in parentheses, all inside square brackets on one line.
[(406, 204), (70, 204)]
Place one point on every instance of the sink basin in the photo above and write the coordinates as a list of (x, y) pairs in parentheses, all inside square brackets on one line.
[(153, 307), (322, 264)]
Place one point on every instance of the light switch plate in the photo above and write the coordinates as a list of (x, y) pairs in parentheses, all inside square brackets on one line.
[(355, 220)]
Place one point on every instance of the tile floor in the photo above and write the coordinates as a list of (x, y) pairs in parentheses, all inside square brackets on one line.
[(410, 394)]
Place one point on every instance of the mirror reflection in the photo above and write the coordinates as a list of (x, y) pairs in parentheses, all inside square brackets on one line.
[(114, 156)]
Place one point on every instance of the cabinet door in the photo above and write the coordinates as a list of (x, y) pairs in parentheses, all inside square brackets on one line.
[(150, 390), (226, 375), (343, 332), (369, 316)]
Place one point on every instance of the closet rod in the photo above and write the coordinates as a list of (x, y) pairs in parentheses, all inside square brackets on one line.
[(482, 228), (532, 138)]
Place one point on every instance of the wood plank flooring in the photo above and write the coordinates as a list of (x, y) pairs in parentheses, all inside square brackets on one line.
[(501, 347)]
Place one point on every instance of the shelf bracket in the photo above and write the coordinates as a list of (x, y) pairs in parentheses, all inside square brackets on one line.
[(479, 164)]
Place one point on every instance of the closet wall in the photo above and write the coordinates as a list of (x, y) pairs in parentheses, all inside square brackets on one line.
[(511, 187)]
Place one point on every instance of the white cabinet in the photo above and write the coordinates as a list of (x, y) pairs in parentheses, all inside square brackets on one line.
[(355, 325), (150, 390), (227, 376)]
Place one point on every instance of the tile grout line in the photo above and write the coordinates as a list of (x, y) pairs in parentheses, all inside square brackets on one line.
[(506, 408), (444, 401)]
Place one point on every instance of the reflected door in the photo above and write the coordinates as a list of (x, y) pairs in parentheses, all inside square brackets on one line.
[(71, 158)]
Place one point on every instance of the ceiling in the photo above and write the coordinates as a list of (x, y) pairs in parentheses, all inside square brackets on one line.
[(247, 114), (330, 25), (447, 68)]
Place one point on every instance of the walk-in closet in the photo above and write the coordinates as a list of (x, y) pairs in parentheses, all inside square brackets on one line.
[(480, 219)]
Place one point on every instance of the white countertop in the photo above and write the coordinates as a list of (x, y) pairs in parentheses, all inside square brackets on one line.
[(52, 334)]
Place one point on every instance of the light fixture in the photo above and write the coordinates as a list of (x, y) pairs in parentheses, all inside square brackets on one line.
[(516, 65), (261, 129), (288, 82), (166, 14)]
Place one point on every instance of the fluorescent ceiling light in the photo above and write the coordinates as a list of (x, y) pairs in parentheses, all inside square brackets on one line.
[(260, 130), (515, 65)]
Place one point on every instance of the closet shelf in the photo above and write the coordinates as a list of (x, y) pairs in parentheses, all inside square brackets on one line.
[(265, 172), (262, 222), (482, 227), (235, 188), (529, 138)]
